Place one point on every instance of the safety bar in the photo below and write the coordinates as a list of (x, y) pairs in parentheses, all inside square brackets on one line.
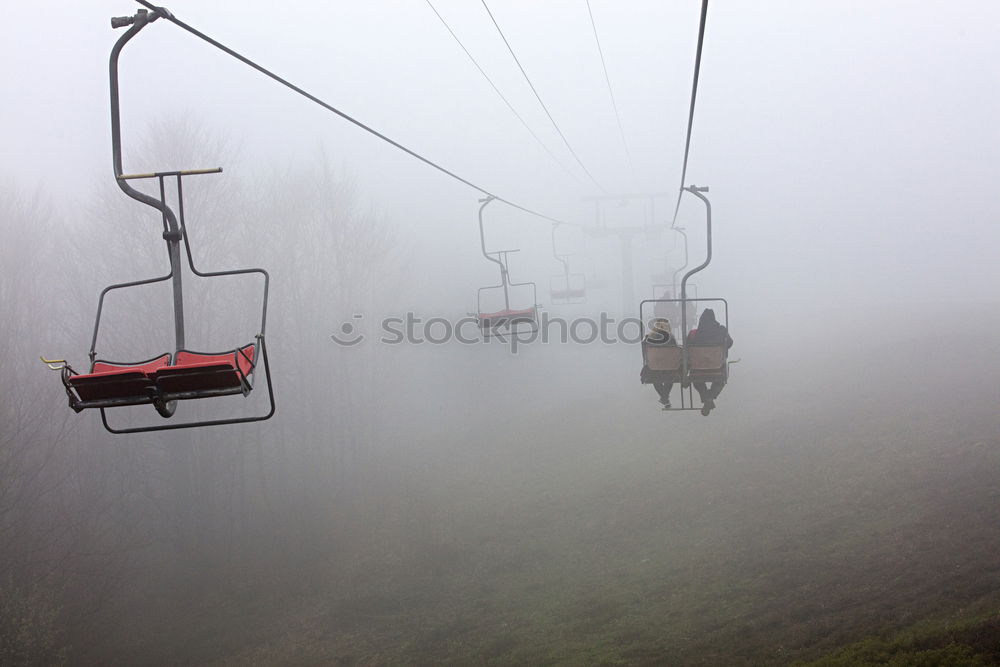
[(503, 252), (157, 174)]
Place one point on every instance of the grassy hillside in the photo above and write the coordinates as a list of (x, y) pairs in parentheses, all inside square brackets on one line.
[(971, 642), (846, 502)]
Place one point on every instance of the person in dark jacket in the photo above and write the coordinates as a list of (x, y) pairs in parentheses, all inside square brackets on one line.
[(709, 334), (659, 336)]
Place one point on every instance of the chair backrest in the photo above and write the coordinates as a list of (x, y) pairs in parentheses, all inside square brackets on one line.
[(663, 357), (242, 358), (147, 367), (706, 358)]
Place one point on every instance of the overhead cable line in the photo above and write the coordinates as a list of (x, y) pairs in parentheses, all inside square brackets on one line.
[(611, 92), (166, 14), (503, 97), (539, 98), (694, 95)]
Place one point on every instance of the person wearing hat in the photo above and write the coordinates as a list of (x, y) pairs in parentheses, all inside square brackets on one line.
[(659, 335)]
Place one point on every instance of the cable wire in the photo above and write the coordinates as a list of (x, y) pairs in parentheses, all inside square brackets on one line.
[(166, 14), (539, 98), (503, 97), (611, 92), (694, 95)]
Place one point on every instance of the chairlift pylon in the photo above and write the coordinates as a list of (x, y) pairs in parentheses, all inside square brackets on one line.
[(183, 374)]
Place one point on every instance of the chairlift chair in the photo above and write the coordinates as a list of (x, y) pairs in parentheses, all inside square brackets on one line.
[(687, 363), (565, 289), (183, 374), (180, 375), (509, 319)]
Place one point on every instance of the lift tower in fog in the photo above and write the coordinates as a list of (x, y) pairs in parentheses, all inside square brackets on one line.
[(650, 230)]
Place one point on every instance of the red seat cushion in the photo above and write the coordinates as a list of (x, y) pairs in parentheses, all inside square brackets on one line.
[(104, 368), (508, 314), (242, 358)]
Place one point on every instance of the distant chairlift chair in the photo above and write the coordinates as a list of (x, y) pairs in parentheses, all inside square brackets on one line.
[(510, 320)]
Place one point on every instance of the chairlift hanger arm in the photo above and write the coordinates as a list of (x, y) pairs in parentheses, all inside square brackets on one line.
[(141, 19), (697, 192), (171, 229), (683, 233), (483, 203), (559, 258)]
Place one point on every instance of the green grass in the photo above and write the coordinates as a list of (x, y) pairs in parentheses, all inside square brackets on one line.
[(972, 642), (753, 538), (763, 554)]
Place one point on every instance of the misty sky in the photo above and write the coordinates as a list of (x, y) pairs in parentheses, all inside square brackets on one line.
[(851, 147)]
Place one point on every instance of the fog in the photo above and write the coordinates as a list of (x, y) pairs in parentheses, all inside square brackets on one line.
[(512, 500)]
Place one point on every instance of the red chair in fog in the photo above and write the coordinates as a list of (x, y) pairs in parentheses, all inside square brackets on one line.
[(183, 375)]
